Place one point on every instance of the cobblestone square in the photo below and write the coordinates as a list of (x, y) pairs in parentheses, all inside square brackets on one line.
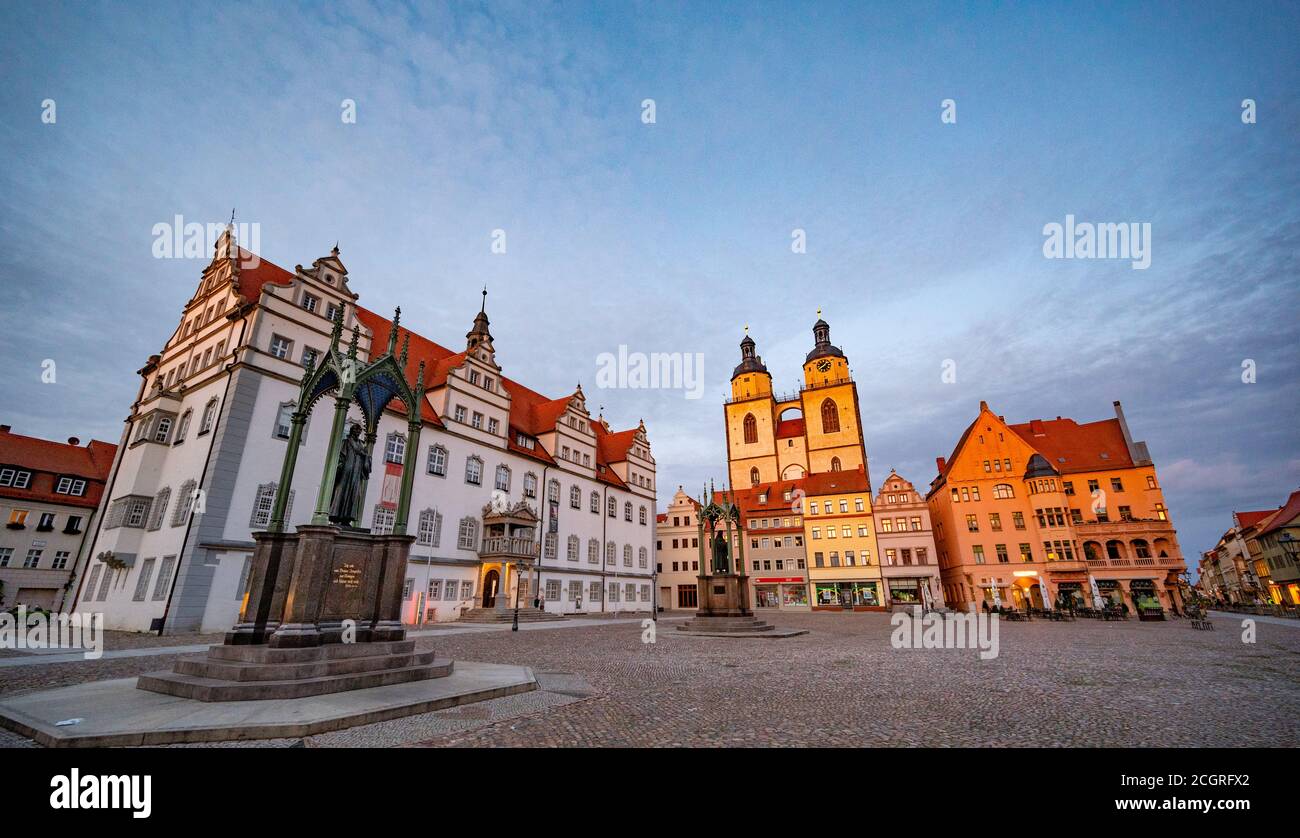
[(1078, 684)]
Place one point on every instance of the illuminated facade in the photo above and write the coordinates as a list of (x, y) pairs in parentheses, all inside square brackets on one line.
[(1032, 512)]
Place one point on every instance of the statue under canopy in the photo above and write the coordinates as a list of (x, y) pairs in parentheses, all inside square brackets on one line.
[(353, 468), (720, 560)]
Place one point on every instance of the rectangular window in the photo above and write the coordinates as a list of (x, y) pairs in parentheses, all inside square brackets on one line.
[(142, 582), (33, 558), (310, 302), (978, 550), (1002, 553), (1116, 484), (61, 559), (281, 346), (437, 460), (164, 578)]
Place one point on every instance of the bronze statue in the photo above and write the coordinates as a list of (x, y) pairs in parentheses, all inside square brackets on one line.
[(720, 563), (353, 467)]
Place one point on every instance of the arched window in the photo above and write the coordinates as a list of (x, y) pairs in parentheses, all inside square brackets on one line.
[(830, 417), (643, 516), (1003, 491), (184, 427), (753, 476), (595, 502), (627, 511), (627, 555), (613, 508), (642, 558), (575, 497), (572, 554), (751, 429), (611, 553), (593, 551), (503, 478), (474, 470), (552, 543), (835, 463), (553, 491), (1141, 549)]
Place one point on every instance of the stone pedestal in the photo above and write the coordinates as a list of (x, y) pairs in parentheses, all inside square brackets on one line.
[(723, 596), (323, 615), (305, 585), (724, 611)]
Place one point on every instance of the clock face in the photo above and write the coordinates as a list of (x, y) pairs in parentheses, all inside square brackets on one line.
[(824, 365)]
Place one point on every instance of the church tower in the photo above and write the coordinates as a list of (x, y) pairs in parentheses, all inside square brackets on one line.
[(832, 420), (751, 421)]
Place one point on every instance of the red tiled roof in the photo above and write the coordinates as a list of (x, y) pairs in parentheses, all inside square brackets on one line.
[(1071, 447), (1248, 519), (48, 459), (835, 482), (1284, 516), (530, 411), (790, 428), (252, 279), (612, 447)]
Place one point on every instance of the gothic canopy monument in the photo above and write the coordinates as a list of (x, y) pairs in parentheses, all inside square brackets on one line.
[(723, 586), (326, 599)]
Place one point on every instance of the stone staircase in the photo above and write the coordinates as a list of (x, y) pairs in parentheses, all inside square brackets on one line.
[(728, 625), (492, 615), (251, 673)]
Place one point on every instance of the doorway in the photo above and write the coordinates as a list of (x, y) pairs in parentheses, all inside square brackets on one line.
[(491, 580)]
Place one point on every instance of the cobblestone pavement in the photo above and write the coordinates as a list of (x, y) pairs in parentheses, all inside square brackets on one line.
[(1084, 683)]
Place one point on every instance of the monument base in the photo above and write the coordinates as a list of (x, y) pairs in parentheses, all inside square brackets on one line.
[(723, 596), (724, 611), (323, 585), (253, 673)]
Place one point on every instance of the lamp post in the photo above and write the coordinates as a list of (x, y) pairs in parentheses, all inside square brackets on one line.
[(519, 569)]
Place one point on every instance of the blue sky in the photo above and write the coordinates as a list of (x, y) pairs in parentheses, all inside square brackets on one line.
[(924, 239)]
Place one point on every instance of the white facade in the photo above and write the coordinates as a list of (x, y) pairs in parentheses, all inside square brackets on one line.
[(211, 416)]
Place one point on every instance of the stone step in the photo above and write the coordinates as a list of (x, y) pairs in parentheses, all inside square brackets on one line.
[(212, 689), (328, 651), (492, 615), (240, 671)]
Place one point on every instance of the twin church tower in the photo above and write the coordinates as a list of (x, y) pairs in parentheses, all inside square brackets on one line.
[(773, 437)]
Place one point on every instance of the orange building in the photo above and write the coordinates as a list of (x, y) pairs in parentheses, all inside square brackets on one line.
[(1045, 509)]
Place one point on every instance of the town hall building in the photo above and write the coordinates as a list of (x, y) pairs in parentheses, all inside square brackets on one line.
[(518, 497)]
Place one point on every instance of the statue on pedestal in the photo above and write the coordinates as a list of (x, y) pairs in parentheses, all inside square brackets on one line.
[(353, 468)]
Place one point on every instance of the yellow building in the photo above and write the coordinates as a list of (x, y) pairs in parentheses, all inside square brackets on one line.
[(843, 559), (773, 437), (812, 442)]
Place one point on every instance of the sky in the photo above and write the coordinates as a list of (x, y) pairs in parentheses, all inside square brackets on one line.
[(924, 237)]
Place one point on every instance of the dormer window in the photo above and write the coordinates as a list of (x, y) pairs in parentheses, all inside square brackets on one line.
[(15, 478), (70, 486)]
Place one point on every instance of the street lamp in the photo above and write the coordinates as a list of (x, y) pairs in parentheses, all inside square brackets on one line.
[(519, 570)]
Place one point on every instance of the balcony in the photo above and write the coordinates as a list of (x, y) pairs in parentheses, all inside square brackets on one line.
[(508, 548)]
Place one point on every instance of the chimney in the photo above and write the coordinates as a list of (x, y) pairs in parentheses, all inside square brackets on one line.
[(940, 463), (983, 405), (4, 429), (1137, 451), (72, 440), (1036, 427)]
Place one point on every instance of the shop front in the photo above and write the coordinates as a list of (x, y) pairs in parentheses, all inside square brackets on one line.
[(1146, 599), (907, 590), (1110, 592), (781, 592), (856, 595)]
